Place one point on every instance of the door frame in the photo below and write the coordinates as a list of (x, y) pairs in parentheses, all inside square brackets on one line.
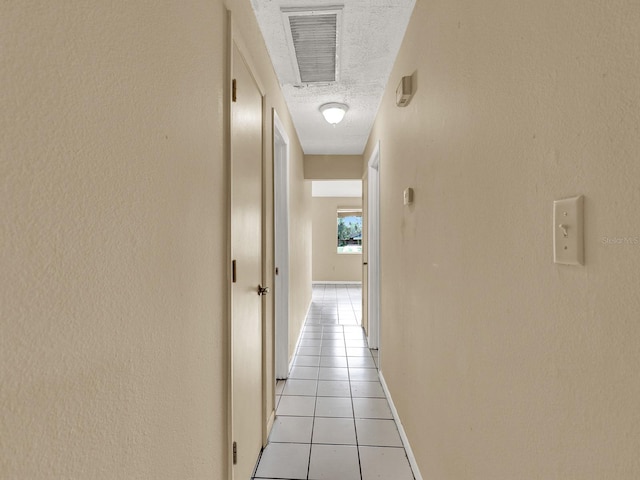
[(373, 247), (365, 251), (281, 246)]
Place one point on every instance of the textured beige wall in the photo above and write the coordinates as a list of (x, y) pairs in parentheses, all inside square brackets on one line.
[(328, 264), (333, 167), (300, 267), (113, 355), (502, 364)]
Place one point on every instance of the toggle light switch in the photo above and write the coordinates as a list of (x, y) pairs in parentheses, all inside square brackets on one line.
[(408, 196), (568, 231)]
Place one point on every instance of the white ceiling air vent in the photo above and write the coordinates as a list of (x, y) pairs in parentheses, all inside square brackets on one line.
[(313, 37)]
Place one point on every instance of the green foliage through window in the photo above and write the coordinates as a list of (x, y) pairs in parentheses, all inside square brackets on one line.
[(349, 231)]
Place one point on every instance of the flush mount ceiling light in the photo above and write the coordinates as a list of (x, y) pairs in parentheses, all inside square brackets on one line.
[(333, 112)]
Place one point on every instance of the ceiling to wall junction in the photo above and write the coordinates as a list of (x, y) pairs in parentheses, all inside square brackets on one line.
[(369, 34)]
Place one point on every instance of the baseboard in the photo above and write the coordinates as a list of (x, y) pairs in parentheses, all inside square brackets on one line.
[(272, 418), (403, 435), (336, 282), (295, 349)]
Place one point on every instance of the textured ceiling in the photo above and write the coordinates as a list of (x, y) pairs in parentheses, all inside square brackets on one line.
[(370, 37)]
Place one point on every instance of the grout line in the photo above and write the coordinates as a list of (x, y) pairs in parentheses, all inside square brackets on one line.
[(331, 300), (353, 409), (315, 406)]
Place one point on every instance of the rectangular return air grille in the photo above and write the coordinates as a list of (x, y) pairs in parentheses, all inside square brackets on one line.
[(314, 36)]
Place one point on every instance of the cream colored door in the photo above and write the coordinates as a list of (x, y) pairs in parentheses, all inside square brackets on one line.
[(246, 252)]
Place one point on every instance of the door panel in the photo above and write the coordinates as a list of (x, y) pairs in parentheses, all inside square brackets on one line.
[(246, 250)]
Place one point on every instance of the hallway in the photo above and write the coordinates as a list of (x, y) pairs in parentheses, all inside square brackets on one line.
[(332, 418), (117, 163)]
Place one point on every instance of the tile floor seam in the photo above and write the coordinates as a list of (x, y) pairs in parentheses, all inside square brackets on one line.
[(313, 421), (355, 427), (330, 319)]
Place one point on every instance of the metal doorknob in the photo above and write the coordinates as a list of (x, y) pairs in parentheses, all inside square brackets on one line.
[(262, 290)]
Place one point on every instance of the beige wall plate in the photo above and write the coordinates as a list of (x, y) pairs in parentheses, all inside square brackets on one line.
[(568, 231)]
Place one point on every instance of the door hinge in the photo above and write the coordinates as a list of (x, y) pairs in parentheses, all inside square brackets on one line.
[(234, 90), (233, 271), (235, 453), (277, 271)]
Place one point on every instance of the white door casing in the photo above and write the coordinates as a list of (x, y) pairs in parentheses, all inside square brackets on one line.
[(373, 249), (281, 231)]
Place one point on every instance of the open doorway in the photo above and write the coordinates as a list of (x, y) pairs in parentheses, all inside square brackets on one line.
[(373, 250)]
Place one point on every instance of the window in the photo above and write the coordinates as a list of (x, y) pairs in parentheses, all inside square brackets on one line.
[(349, 231)]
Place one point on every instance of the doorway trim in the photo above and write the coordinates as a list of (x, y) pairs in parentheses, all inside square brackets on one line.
[(281, 246), (373, 248)]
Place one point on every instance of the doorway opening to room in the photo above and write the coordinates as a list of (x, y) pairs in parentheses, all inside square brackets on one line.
[(373, 248), (281, 233)]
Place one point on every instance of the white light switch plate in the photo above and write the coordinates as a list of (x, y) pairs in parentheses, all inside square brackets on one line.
[(568, 231)]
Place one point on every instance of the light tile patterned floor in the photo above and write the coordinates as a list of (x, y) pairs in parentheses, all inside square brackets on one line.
[(333, 421)]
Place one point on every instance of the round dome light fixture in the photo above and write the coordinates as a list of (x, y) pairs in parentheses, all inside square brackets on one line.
[(333, 112)]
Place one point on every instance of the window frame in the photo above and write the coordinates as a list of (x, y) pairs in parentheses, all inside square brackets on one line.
[(346, 212)]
